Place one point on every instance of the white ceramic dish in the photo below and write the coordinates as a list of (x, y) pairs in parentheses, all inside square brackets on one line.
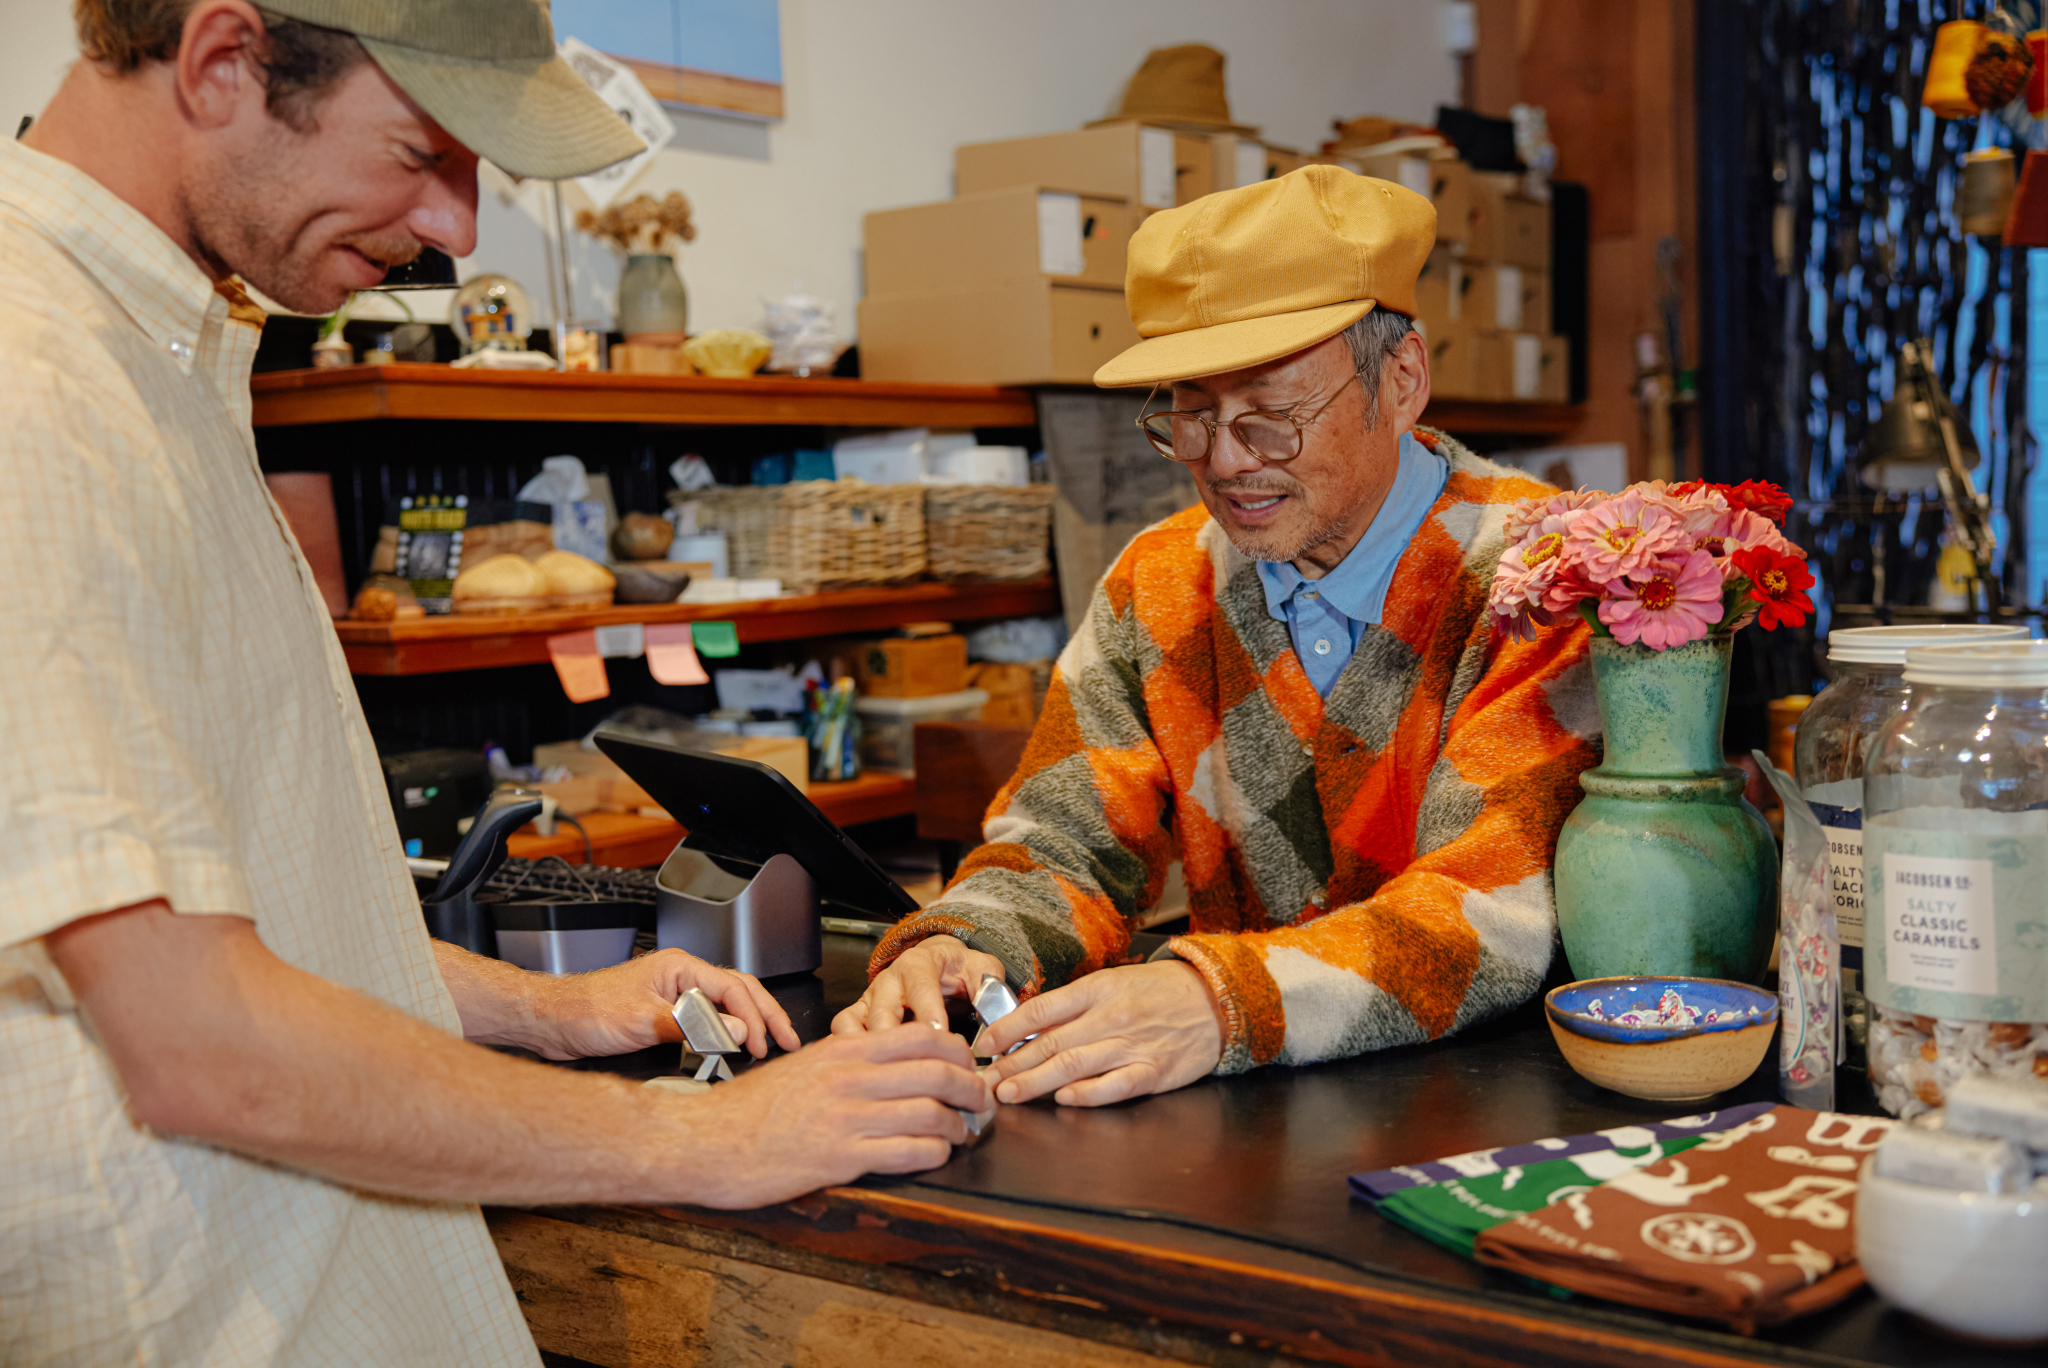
[(1967, 1262)]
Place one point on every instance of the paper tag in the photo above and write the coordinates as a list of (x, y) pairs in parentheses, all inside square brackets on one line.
[(1251, 162), (579, 666), (623, 640), (1157, 183), (1528, 365), (670, 657), (1059, 234), (716, 639), (1507, 298)]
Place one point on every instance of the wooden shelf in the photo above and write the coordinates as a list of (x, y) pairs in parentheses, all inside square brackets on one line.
[(1504, 418), (434, 645), (410, 390), (625, 841)]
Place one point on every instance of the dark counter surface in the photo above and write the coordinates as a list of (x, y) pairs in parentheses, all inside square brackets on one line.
[(1250, 1172)]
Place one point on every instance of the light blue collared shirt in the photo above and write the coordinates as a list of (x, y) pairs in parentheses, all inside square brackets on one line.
[(1325, 617)]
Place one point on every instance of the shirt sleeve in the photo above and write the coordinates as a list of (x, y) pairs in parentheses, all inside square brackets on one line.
[(105, 781), (1077, 842), (1466, 929)]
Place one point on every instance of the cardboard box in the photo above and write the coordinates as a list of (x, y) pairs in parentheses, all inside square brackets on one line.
[(912, 667), (1032, 334), (1240, 161), (997, 237), (1445, 182), (1453, 359), (1506, 227), (1554, 384), (1151, 168), (1439, 288), (1011, 691), (1511, 365), (1511, 298)]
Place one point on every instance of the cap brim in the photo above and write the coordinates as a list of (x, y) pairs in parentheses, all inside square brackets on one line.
[(1229, 346), (531, 118)]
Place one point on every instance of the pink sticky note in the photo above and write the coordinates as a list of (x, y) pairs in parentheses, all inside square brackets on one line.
[(579, 665), (671, 659)]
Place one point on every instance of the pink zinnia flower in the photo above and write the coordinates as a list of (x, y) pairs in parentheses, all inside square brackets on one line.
[(1622, 536), (1527, 513), (1748, 531), (1668, 604)]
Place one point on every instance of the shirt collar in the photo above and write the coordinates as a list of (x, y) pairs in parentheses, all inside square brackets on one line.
[(1357, 588), (147, 274)]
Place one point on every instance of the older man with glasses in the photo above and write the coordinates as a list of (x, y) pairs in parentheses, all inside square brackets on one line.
[(1294, 689)]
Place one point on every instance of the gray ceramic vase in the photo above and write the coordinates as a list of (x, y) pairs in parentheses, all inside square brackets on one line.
[(1665, 868), (654, 309)]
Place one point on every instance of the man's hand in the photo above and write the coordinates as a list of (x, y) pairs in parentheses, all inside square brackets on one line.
[(1116, 1033), (628, 1007), (920, 979), (606, 1012), (881, 1103)]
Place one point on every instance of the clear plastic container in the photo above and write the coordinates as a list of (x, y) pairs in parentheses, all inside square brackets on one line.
[(1868, 690), (1955, 853), (889, 725)]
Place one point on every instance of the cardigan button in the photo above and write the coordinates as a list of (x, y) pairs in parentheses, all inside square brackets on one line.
[(1319, 901)]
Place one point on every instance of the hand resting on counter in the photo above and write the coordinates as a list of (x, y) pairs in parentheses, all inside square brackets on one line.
[(1114, 1034), (607, 1011)]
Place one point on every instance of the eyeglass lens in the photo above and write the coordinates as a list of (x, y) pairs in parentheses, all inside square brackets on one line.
[(1186, 437)]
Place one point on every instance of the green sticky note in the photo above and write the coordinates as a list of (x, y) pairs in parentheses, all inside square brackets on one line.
[(715, 639)]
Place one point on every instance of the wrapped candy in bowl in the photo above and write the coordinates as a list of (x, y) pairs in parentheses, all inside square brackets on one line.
[(1662, 1037)]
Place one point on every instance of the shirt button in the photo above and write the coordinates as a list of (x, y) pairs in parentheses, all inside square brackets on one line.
[(1322, 646), (179, 348), (1310, 593)]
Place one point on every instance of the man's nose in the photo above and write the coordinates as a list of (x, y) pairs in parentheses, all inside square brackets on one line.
[(445, 216), (1229, 458)]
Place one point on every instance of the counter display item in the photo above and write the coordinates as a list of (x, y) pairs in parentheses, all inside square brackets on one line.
[(1868, 691), (889, 725), (1955, 875), (1809, 954)]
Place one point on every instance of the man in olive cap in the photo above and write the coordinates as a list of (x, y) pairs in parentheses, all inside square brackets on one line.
[(240, 1127), (1296, 690)]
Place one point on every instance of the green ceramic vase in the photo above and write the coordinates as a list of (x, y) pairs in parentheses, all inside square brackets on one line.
[(1664, 868)]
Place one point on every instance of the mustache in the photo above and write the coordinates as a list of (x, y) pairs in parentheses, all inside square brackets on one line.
[(1241, 488), (387, 250)]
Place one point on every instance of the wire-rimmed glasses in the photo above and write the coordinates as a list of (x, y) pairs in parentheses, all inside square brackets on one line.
[(1187, 437)]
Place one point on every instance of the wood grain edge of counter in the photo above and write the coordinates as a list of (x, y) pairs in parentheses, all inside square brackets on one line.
[(1078, 1283)]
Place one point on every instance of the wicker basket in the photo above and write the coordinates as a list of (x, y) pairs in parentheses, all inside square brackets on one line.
[(989, 532), (840, 534), (746, 514)]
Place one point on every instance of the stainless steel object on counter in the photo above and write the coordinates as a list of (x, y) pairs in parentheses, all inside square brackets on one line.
[(766, 925), (704, 1034)]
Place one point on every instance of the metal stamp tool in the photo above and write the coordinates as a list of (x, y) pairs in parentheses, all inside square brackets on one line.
[(993, 1001), (704, 1034)]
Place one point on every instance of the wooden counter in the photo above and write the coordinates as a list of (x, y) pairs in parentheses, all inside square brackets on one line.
[(1210, 1225)]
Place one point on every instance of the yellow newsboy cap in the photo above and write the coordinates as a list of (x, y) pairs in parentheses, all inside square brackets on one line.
[(1247, 276)]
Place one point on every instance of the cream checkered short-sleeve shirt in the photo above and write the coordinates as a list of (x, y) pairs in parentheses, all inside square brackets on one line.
[(177, 722)]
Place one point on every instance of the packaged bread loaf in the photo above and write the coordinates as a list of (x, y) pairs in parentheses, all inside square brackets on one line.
[(575, 581), (502, 584)]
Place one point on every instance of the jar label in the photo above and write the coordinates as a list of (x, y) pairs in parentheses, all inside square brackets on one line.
[(1844, 830), (1957, 919)]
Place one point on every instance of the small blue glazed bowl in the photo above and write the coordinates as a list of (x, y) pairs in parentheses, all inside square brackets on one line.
[(1662, 1037)]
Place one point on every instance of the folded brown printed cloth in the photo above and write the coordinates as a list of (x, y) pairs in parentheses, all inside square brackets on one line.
[(1750, 1227)]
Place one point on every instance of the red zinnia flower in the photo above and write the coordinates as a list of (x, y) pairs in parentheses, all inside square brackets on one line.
[(1760, 496), (1778, 584)]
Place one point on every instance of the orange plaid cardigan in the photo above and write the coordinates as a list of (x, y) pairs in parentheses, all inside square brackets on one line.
[(1369, 871)]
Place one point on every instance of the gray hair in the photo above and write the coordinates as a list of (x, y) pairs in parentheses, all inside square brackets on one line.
[(1372, 340)]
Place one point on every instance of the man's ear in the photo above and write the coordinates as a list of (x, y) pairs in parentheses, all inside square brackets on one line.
[(218, 67), (1404, 383)]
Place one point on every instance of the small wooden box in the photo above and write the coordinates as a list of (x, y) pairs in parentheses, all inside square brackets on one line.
[(913, 667)]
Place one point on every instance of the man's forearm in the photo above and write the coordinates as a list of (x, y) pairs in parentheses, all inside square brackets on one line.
[(499, 1003), (260, 1057)]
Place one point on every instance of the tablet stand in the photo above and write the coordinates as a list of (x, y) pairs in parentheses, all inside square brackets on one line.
[(766, 925)]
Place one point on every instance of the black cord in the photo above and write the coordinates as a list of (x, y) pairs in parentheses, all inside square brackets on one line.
[(589, 854), (26, 120)]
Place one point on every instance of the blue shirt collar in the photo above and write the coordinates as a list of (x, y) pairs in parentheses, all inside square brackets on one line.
[(1358, 586)]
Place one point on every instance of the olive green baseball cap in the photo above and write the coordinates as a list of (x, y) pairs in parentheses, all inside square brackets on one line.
[(488, 73)]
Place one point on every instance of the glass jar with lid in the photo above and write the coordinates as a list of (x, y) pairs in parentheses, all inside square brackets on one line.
[(1955, 854), (1867, 690)]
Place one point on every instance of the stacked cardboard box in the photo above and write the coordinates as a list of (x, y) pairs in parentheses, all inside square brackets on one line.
[(1484, 301), (1019, 279)]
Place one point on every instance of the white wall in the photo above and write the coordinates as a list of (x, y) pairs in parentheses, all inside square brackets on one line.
[(877, 93)]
